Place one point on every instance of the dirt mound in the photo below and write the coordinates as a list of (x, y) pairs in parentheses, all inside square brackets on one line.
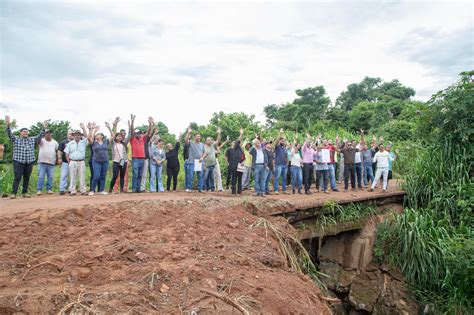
[(187, 256)]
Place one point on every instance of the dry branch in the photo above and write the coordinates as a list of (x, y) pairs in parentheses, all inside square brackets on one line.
[(226, 300), (39, 265)]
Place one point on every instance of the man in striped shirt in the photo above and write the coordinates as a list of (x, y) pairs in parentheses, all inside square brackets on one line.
[(23, 156)]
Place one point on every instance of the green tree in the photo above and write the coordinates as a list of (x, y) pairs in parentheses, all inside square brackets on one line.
[(59, 129), (358, 92)]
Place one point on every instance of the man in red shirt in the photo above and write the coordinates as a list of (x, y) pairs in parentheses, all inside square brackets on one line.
[(138, 141)]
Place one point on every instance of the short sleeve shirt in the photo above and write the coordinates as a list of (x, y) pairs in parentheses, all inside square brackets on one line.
[(47, 151), (210, 159), (196, 150)]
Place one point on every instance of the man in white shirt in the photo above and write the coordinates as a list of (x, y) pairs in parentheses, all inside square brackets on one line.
[(47, 159), (382, 158)]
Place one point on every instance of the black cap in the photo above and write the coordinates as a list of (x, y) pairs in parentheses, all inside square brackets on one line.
[(23, 129)]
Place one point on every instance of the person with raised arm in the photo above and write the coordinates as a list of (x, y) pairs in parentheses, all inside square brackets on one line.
[(328, 145), (281, 163), (157, 159), (150, 133), (382, 158), (308, 158), (210, 161), (75, 155), (47, 160), (296, 171), (100, 161), (260, 167), (349, 153), (119, 156), (23, 156), (138, 142), (235, 156), (195, 157), (172, 164)]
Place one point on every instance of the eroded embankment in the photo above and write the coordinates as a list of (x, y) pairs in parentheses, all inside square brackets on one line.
[(205, 256)]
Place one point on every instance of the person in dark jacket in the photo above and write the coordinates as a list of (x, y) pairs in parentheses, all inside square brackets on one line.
[(234, 156), (172, 165), (260, 167)]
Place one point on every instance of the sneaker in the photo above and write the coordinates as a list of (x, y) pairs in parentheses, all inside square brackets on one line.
[(370, 189), (267, 193), (84, 193), (285, 192), (256, 194), (26, 195), (354, 190), (12, 196), (384, 190), (293, 191), (326, 192), (335, 189), (317, 190), (50, 192), (103, 193), (72, 194), (91, 193), (262, 195), (276, 192), (62, 193), (345, 190), (38, 193), (308, 193), (300, 192)]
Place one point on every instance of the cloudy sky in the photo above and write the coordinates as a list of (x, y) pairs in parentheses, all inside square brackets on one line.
[(180, 62)]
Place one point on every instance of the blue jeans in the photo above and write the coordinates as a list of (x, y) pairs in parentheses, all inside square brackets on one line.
[(209, 178), (190, 176), (332, 175), (296, 177), (358, 171), (369, 174), (48, 171), (64, 176), (259, 171), (155, 174), (280, 171), (100, 172), (321, 179), (268, 175), (137, 171)]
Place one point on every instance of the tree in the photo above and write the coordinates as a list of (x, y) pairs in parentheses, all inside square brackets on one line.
[(358, 92), (59, 129)]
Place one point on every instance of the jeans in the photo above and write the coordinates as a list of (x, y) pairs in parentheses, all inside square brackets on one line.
[(116, 170), (321, 179), (259, 178), (381, 171), (307, 175), (100, 172), (209, 178), (358, 171), (48, 171), (190, 176), (341, 167), (155, 175), (268, 176), (332, 175), (63, 182), (21, 170), (137, 171), (296, 177), (280, 171), (172, 173), (349, 171), (369, 175), (218, 177)]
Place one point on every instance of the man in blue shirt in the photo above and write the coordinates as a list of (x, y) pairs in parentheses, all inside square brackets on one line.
[(75, 155)]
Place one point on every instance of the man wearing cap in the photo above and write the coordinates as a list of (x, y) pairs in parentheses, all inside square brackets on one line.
[(23, 156), (138, 142), (75, 155), (47, 159), (196, 153), (62, 160)]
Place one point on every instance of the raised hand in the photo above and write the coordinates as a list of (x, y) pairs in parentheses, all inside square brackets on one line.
[(219, 130), (107, 125), (116, 121), (241, 130), (281, 130), (319, 135), (308, 135), (7, 120), (129, 124), (374, 138), (381, 139), (362, 131), (151, 121), (82, 126), (228, 138), (45, 124), (337, 138), (189, 130), (132, 117)]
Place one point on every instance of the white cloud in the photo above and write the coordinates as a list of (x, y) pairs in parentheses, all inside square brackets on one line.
[(181, 62)]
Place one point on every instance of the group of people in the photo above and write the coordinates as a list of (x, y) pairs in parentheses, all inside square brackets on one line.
[(271, 162)]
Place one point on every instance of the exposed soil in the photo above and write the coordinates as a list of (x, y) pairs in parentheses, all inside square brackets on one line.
[(141, 256)]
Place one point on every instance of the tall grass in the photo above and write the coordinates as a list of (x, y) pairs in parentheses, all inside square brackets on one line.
[(432, 241)]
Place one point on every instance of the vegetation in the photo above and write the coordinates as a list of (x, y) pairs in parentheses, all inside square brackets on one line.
[(432, 241)]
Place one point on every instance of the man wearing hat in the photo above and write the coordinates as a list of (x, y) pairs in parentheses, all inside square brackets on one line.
[(75, 155), (47, 159), (138, 143), (23, 156)]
